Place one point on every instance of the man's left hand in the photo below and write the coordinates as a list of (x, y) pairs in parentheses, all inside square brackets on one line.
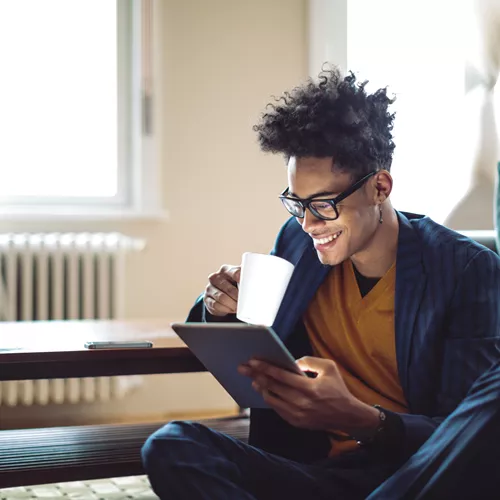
[(321, 403)]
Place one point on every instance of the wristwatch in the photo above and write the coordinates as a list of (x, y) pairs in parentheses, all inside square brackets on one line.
[(378, 435)]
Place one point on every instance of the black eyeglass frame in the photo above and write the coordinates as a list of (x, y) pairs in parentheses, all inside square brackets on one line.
[(306, 202)]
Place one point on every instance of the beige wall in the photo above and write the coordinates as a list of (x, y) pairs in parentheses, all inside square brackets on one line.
[(221, 59)]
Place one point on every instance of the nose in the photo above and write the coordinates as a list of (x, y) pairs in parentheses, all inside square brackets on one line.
[(310, 222)]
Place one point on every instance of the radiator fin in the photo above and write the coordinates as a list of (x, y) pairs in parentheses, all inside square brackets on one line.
[(63, 276)]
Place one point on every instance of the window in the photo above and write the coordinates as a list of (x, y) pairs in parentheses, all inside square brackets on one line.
[(75, 95)]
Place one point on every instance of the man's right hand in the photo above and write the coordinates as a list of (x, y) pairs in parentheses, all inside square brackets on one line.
[(221, 293)]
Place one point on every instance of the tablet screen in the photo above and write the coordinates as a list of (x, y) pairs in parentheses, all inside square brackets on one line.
[(222, 347)]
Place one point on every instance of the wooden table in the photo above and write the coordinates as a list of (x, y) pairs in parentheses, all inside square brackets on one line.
[(55, 349), (39, 350)]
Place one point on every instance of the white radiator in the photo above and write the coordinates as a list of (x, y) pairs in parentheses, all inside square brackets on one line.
[(63, 276)]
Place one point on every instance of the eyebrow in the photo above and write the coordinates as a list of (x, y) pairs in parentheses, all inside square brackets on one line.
[(315, 195)]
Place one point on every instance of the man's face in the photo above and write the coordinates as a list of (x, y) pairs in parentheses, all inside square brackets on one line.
[(337, 240)]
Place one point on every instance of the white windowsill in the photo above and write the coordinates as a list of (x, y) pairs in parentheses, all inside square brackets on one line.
[(478, 233), (44, 213)]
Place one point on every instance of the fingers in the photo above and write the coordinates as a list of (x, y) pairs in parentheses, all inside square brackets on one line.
[(221, 293), (316, 365), (234, 273), (219, 303), (278, 374), (289, 402), (224, 285), (270, 387), (216, 308), (282, 407)]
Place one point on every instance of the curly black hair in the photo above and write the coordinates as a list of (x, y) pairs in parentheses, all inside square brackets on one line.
[(332, 117)]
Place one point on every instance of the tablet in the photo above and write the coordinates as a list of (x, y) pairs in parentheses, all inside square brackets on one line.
[(222, 347)]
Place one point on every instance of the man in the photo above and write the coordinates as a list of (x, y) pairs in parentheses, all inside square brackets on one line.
[(396, 315)]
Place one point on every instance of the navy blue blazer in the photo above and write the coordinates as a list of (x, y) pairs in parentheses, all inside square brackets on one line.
[(447, 327)]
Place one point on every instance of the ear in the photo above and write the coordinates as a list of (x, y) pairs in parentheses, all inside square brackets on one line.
[(382, 182)]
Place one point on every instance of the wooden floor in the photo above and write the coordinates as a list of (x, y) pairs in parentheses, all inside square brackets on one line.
[(121, 488)]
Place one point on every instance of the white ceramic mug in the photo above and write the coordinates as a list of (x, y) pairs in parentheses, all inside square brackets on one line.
[(263, 282)]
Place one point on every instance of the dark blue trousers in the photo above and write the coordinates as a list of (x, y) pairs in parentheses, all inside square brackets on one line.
[(461, 460), (187, 461)]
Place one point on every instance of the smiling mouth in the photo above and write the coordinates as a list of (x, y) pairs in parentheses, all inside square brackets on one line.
[(328, 239)]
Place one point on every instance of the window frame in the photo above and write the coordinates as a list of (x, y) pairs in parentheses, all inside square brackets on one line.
[(138, 190)]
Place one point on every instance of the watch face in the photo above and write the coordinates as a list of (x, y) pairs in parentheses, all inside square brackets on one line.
[(382, 416)]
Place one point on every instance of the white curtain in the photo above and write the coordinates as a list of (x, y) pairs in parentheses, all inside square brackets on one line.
[(446, 142), (482, 107), (441, 59)]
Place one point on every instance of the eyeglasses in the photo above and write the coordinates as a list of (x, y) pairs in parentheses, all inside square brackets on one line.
[(325, 209)]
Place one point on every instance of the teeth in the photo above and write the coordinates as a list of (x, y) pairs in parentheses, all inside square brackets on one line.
[(324, 241)]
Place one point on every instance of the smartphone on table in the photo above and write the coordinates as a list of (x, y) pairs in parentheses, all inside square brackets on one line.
[(133, 344)]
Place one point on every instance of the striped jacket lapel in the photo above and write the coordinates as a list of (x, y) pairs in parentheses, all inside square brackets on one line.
[(410, 285), (307, 277)]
